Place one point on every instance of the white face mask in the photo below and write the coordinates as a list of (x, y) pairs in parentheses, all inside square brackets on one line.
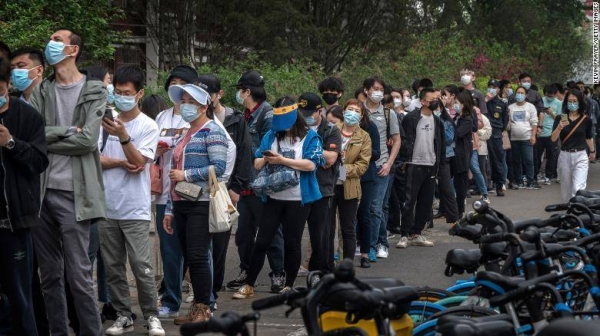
[(397, 102), (406, 101), (377, 96), (465, 79)]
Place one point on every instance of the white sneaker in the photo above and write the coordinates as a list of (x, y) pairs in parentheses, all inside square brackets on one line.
[(382, 252), (504, 187), (421, 241), (190, 297), (403, 243), (357, 253), (155, 327), (121, 326), (166, 312)]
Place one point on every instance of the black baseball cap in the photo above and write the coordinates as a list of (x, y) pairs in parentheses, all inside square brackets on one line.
[(494, 82), (250, 78), (210, 83), (185, 72), (309, 103)]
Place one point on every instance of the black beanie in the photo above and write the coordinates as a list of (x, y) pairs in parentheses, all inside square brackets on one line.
[(185, 72)]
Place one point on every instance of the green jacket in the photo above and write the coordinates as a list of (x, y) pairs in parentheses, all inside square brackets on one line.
[(83, 146)]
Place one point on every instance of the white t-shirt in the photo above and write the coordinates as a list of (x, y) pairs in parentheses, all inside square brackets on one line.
[(523, 121), (127, 194), (171, 127), (291, 194), (424, 148)]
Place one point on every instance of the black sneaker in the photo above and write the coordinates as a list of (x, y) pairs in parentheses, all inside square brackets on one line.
[(109, 312), (277, 282), (239, 281), (500, 192), (521, 186), (513, 186), (364, 263), (395, 230), (533, 186)]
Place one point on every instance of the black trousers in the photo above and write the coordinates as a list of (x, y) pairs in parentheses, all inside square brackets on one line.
[(419, 199), (363, 226), (545, 145), (291, 215), (461, 185), (220, 242), (319, 230), (446, 193), (347, 210), (191, 220), (397, 198), (497, 161)]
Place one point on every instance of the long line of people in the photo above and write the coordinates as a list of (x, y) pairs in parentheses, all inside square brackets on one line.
[(362, 170)]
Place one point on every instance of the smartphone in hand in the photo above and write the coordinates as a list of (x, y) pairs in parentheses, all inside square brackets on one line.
[(564, 117), (268, 153), (108, 114)]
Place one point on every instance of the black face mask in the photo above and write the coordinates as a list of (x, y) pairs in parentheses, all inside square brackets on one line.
[(433, 105), (330, 98)]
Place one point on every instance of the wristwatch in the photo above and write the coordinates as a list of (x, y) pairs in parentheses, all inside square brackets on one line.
[(126, 141), (10, 144)]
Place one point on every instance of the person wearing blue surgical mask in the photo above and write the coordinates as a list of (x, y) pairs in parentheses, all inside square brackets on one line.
[(531, 95), (27, 70)]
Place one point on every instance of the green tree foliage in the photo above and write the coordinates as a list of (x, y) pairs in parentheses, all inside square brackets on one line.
[(31, 22)]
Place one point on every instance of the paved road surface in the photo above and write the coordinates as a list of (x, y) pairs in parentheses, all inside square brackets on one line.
[(416, 266)]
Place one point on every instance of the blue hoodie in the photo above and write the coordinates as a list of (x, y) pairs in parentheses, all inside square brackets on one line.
[(312, 150)]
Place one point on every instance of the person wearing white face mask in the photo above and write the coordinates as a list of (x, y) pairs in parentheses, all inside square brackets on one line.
[(28, 70), (389, 132), (467, 78), (126, 158), (73, 194), (416, 102)]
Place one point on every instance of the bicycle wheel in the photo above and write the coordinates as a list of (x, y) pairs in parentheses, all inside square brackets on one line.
[(465, 311), (462, 288), (420, 311), (426, 329), (453, 301), (431, 294)]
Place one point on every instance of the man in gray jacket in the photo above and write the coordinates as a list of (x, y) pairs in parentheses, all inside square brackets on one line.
[(72, 105)]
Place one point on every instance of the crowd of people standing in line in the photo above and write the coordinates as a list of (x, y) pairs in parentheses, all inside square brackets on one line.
[(102, 154)]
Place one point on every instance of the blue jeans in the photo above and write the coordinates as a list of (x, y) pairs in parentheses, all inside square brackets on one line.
[(386, 210), (363, 222), (477, 175), (172, 258), (95, 254), (378, 219), (16, 263), (522, 154)]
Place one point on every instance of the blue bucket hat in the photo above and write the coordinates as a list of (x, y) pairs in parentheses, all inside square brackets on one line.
[(284, 117)]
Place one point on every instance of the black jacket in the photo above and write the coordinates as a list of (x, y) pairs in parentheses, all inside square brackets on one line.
[(331, 138), (238, 131), (23, 165), (409, 125), (498, 116), (463, 145)]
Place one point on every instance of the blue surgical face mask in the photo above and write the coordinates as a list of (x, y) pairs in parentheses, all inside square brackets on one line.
[(239, 98), (310, 121), (55, 52), (572, 106), (520, 97), (2, 100), (510, 92), (526, 85), (492, 91), (111, 93), (20, 80), (456, 107), (125, 103), (351, 118), (550, 99), (437, 113), (189, 112)]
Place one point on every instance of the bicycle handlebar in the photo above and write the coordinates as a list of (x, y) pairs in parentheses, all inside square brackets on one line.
[(278, 300)]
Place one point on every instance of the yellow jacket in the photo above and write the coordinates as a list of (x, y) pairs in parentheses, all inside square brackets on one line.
[(356, 157)]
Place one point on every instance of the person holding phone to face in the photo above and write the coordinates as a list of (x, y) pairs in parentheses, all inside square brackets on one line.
[(574, 129)]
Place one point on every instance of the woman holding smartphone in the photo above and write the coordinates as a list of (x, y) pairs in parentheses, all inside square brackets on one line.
[(574, 129), (290, 143)]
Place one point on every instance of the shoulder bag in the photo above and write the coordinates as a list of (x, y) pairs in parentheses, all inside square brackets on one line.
[(221, 211)]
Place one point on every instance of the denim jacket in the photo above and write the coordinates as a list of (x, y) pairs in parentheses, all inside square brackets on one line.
[(257, 134)]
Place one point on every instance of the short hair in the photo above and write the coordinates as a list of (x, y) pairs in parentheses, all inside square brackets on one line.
[(425, 91), (331, 84), (97, 72), (4, 70), (415, 85), (524, 75), (358, 92), (130, 74), (387, 99), (153, 104), (426, 83), (5, 49), (33, 54), (257, 93), (467, 72), (369, 82), (550, 89), (559, 87), (571, 85), (75, 39), (580, 82), (337, 110), (399, 90)]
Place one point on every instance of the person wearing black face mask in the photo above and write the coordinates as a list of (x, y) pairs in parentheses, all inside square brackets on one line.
[(332, 90), (424, 149)]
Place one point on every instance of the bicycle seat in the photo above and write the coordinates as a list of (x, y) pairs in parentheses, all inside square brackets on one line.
[(521, 225), (505, 282), (469, 232), (463, 260), (571, 327), (558, 236), (494, 250), (589, 202), (588, 193), (446, 325), (585, 218)]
